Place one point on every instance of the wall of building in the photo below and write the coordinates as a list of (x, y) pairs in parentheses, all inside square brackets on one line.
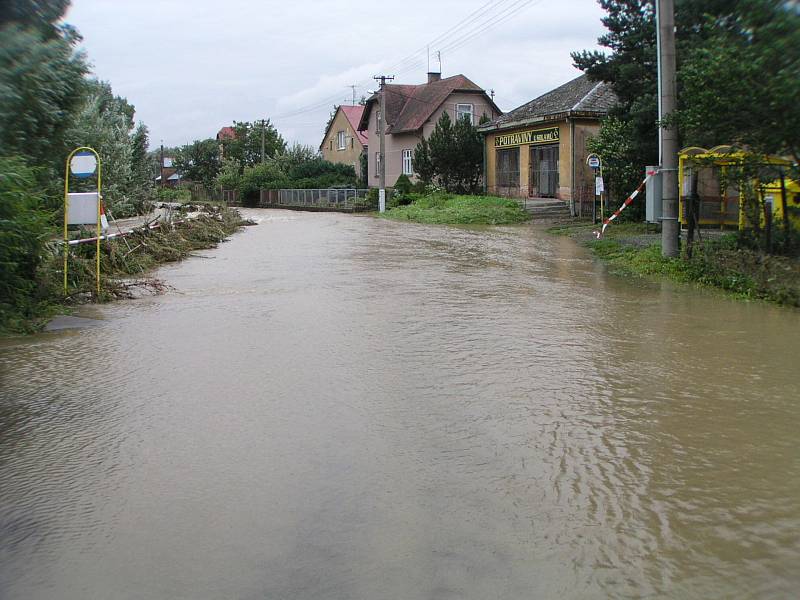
[(396, 143), (584, 177), (353, 148)]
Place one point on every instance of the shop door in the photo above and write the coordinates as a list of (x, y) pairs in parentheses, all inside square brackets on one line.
[(544, 171)]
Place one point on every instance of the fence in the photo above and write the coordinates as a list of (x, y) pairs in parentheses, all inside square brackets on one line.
[(345, 200)]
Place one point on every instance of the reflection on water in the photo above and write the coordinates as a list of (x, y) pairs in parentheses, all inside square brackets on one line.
[(336, 406)]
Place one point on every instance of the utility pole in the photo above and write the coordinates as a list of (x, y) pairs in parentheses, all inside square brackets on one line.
[(161, 166), (670, 228), (382, 131), (263, 128)]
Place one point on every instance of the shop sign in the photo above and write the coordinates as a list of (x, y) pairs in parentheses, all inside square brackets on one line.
[(532, 136)]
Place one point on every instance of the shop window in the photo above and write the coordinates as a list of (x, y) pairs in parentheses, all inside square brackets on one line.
[(508, 168)]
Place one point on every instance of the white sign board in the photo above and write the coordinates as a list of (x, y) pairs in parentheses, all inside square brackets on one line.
[(598, 186), (83, 164), (593, 161), (82, 208), (382, 200)]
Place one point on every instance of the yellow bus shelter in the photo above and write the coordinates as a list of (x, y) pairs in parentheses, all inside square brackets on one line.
[(721, 201)]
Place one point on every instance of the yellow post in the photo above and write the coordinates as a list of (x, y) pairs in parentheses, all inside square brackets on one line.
[(66, 211), (99, 201)]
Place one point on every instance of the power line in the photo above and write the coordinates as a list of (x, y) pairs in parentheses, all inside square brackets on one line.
[(453, 38), (492, 4), (494, 22)]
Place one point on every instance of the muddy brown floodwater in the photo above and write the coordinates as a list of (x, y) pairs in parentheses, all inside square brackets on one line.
[(341, 407)]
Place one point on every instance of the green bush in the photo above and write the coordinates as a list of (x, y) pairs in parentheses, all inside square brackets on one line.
[(173, 195), (24, 231), (264, 176), (403, 184)]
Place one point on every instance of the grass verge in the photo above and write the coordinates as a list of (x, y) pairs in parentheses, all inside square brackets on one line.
[(634, 249), (448, 209)]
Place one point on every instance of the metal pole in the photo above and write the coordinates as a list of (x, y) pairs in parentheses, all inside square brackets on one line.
[(658, 77), (382, 132), (99, 200), (670, 228)]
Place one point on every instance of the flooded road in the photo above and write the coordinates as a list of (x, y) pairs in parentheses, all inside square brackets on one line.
[(341, 407)]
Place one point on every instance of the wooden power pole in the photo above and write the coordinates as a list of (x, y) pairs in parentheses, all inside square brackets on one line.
[(263, 128)]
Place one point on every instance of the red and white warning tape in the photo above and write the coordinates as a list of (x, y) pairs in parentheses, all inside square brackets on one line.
[(628, 202)]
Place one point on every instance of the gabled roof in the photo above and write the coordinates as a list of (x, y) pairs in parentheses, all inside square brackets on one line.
[(226, 133), (353, 116), (408, 107), (580, 97)]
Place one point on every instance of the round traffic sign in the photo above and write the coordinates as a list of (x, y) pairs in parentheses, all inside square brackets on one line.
[(83, 164), (593, 161)]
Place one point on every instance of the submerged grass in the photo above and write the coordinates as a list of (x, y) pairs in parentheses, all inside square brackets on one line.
[(124, 263), (448, 209), (633, 249)]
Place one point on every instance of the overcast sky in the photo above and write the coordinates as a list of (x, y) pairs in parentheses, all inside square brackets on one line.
[(193, 66)]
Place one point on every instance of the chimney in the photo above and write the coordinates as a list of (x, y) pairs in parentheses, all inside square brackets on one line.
[(434, 77)]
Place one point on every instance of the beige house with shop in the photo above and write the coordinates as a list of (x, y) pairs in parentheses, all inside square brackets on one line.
[(411, 114), (538, 150), (343, 142)]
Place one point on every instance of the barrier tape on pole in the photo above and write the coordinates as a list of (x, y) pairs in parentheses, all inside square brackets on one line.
[(628, 201)]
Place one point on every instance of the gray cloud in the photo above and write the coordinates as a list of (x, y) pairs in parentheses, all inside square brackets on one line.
[(191, 67)]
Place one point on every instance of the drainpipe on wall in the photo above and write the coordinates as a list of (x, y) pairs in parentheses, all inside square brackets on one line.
[(572, 166)]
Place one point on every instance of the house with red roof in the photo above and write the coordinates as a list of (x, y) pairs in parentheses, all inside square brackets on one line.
[(412, 112), (343, 142), (226, 133)]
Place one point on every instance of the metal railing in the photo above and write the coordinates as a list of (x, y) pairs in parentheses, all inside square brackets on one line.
[(330, 199)]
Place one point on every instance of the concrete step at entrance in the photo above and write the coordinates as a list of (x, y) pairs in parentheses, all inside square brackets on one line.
[(547, 208)]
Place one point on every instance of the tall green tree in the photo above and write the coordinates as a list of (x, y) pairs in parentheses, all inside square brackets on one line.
[(199, 161), (453, 155), (468, 168), (630, 68), (742, 84), (245, 147), (141, 165), (41, 88), (23, 233), (442, 143), (423, 166), (42, 15)]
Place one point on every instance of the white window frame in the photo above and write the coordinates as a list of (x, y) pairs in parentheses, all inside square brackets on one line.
[(341, 141), (408, 165), (460, 112)]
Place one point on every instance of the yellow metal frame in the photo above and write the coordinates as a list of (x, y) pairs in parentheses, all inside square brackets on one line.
[(66, 210)]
